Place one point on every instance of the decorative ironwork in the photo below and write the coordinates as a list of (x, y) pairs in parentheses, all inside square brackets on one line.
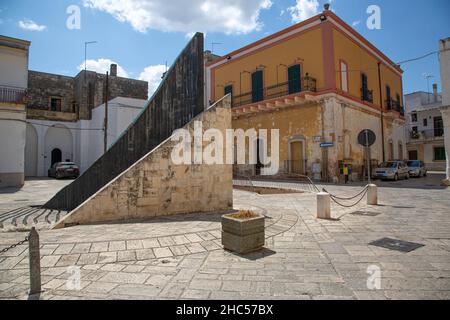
[(275, 91)]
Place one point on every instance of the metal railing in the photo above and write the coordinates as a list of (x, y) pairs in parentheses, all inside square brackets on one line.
[(428, 134), (394, 105), (279, 90), (367, 95), (12, 94)]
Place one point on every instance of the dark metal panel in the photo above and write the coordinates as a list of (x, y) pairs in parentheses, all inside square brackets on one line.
[(178, 99)]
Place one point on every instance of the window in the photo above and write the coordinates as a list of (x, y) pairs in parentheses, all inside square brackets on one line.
[(425, 122), (228, 90), (414, 117), (257, 86), (415, 130), (388, 98), (294, 85), (438, 127), (398, 102), (439, 154), (366, 94), (344, 76), (55, 104)]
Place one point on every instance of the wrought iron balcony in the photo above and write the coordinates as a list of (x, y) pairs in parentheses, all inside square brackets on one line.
[(13, 95), (283, 89), (428, 134), (367, 95), (394, 105)]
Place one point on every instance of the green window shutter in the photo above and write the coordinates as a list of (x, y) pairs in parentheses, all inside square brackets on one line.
[(439, 154), (257, 86), (294, 73), (229, 90)]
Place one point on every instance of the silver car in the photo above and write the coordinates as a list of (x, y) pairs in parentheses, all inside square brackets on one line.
[(392, 170), (417, 168)]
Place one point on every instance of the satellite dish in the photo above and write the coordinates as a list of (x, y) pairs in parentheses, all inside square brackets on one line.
[(367, 138)]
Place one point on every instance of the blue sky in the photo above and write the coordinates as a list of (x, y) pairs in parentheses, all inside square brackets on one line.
[(141, 35)]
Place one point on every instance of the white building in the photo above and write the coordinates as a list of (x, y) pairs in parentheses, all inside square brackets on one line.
[(82, 142), (13, 85), (424, 129), (444, 59)]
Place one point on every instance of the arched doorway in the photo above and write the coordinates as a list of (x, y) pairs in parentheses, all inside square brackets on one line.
[(31, 151), (58, 145), (56, 156)]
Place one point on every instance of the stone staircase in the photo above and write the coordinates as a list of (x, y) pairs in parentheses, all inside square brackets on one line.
[(25, 218)]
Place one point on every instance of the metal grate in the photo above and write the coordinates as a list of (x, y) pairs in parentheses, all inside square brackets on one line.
[(397, 245), (366, 213)]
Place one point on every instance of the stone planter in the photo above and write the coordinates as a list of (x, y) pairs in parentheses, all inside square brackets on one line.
[(243, 235)]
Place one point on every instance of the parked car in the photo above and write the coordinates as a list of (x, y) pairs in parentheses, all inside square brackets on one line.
[(392, 170), (416, 168), (64, 170)]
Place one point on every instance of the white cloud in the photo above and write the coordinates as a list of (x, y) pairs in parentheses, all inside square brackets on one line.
[(103, 65), (227, 16), (152, 75), (30, 25), (303, 10), (356, 23)]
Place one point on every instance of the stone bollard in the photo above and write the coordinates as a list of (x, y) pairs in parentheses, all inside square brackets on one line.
[(323, 205), (35, 262), (372, 195)]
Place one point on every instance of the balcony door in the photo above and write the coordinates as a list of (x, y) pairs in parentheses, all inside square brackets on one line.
[(438, 127), (294, 84), (257, 86)]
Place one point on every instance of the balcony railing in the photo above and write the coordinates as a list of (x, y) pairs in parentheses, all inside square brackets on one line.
[(367, 95), (394, 105), (13, 95), (283, 89), (428, 134)]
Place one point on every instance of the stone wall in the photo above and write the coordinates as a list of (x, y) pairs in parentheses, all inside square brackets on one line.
[(155, 186), (42, 86), (80, 94), (177, 101), (89, 90)]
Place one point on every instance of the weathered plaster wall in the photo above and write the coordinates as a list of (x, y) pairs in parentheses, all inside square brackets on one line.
[(331, 120), (155, 186)]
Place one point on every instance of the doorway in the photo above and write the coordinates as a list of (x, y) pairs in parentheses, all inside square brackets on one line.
[(296, 157), (412, 155), (56, 156)]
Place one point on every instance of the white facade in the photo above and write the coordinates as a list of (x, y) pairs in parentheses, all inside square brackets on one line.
[(444, 59), (81, 142), (13, 84), (424, 128)]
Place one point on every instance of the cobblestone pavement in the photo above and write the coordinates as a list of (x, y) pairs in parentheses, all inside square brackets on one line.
[(180, 257)]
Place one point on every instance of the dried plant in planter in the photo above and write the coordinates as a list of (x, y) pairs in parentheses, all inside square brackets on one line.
[(244, 214), (243, 232)]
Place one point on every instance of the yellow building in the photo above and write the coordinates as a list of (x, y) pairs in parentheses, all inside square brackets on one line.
[(318, 81)]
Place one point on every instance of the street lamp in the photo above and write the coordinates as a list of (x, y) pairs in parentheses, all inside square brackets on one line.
[(85, 68), (85, 54)]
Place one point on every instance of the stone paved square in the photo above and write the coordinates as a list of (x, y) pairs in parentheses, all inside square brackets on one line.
[(304, 257)]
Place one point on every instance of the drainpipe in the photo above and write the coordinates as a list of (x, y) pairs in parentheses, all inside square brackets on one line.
[(382, 112)]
